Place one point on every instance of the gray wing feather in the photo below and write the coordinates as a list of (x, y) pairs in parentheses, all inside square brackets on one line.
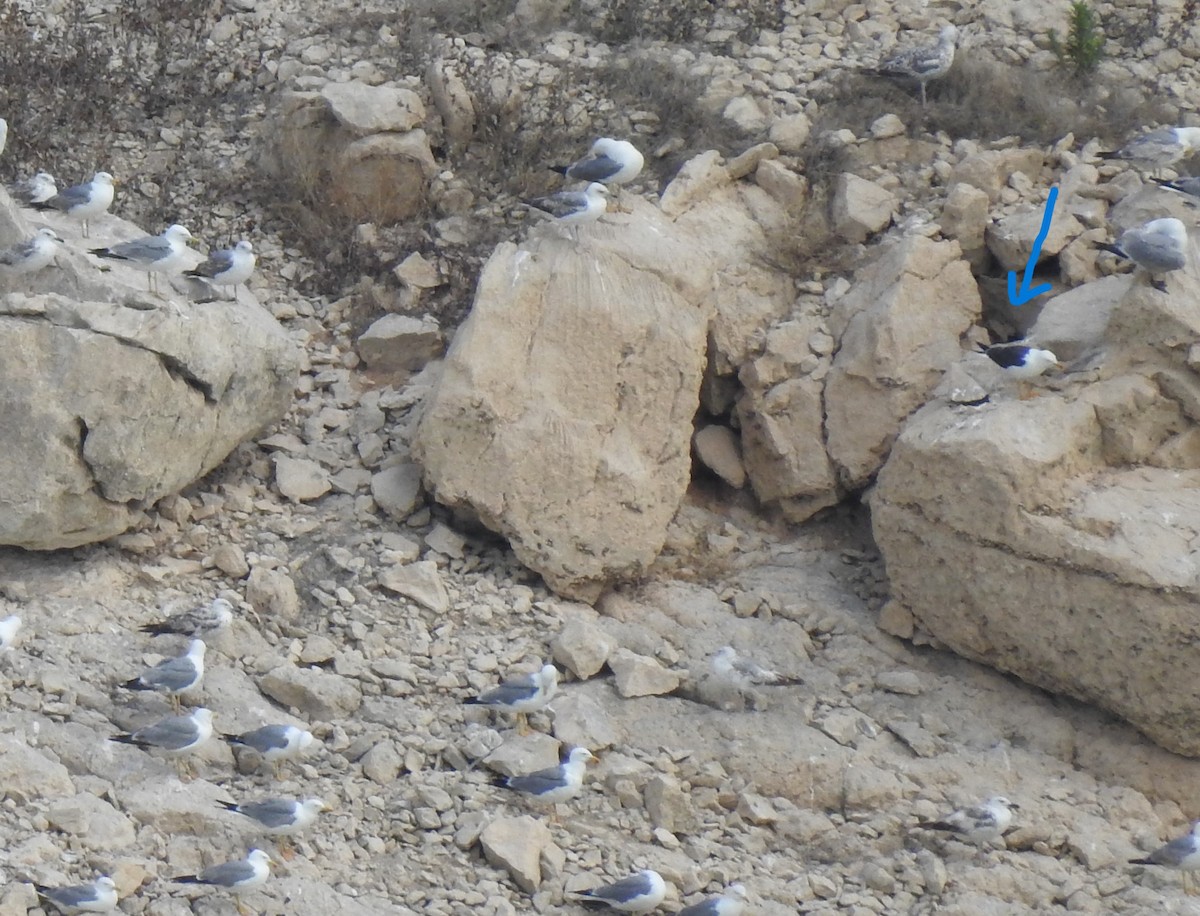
[(709, 907), (71, 197), (227, 874), (595, 168), (16, 254), (507, 693), (75, 895), (538, 783), (267, 738), (1174, 852), (274, 813), (173, 674), (625, 889), (561, 204), (1154, 252), (216, 263), (171, 734), (152, 248)]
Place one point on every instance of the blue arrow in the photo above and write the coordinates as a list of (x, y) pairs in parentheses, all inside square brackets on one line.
[(1020, 296)]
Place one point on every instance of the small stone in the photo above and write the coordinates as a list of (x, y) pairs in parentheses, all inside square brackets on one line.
[(524, 755), (300, 479), (581, 721), (790, 132), (446, 541), (878, 878), (861, 208), (720, 451), (272, 593), (419, 581), (381, 764), (906, 683), (641, 676), (400, 343), (418, 273), (823, 887), (516, 844), (318, 694), (757, 809), (231, 560), (669, 806), (582, 648), (886, 126), (397, 489)]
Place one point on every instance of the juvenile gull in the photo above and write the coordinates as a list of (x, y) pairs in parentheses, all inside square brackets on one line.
[(921, 65), (1182, 854), (173, 676), (978, 824), (98, 897), (201, 621), (280, 817), (228, 267), (83, 201), (31, 255), (744, 672), (1157, 149), (36, 189), (636, 894), (552, 785), (730, 903), (238, 876), (153, 253), (275, 743), (571, 208), (1158, 247), (9, 627), (174, 735), (521, 695), (610, 162)]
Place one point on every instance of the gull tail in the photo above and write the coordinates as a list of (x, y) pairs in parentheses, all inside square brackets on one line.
[(157, 629), (561, 169), (134, 684), (1112, 154), (500, 780), (939, 825), (188, 879), (228, 806), (1142, 861), (108, 253), (1114, 248), (127, 739)]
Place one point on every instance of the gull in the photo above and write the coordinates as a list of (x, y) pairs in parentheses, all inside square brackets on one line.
[(552, 785), (521, 695), (83, 201), (98, 897), (1188, 186), (978, 824), (744, 672), (571, 208), (174, 675), (921, 65), (34, 190), (227, 267), (636, 894), (9, 627), (3, 134), (730, 903), (174, 735), (280, 816), (31, 255), (153, 253), (1021, 362), (610, 162), (200, 621), (238, 876), (275, 743), (1157, 247), (1182, 854), (1158, 149)]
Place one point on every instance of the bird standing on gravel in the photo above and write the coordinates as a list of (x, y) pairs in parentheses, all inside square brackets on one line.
[(275, 743), (730, 903), (155, 254), (200, 621), (174, 736), (1182, 854), (83, 202), (174, 675), (744, 672), (638, 893), (238, 876), (1157, 149), (921, 65), (978, 824), (521, 695), (229, 267), (98, 897), (610, 162), (280, 817), (36, 189), (1158, 247), (553, 785), (571, 208)]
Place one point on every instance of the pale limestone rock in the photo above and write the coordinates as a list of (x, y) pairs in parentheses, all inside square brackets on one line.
[(790, 132), (452, 99), (1074, 323), (990, 170), (718, 450), (418, 581), (317, 694), (746, 115), (1011, 237), (900, 327), (417, 272), (582, 721), (91, 822), (364, 110), (382, 763), (397, 489), (516, 844), (190, 810), (231, 560), (400, 343), (272, 593), (788, 188), (757, 809), (698, 178), (861, 208), (446, 541), (965, 218), (669, 806), (640, 675), (300, 479), (28, 774), (536, 751), (582, 648), (885, 127)]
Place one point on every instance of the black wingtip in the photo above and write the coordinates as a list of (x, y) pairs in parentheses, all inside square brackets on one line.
[(187, 879), (234, 739), (133, 684), (561, 169), (227, 805), (471, 701), (499, 779), (125, 739)]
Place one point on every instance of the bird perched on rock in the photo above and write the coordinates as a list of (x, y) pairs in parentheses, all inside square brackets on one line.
[(155, 254), (31, 255), (610, 162), (174, 736), (201, 621), (36, 189), (275, 743), (1187, 186), (1158, 247), (1019, 360), (173, 676), (730, 903), (228, 267), (9, 627), (921, 65), (552, 785), (1157, 149), (238, 876), (521, 695), (83, 202), (572, 208), (98, 897), (638, 893), (279, 817), (1182, 854), (978, 824), (744, 672)]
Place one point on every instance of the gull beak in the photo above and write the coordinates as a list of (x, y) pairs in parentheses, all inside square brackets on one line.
[(326, 807), (1059, 366)]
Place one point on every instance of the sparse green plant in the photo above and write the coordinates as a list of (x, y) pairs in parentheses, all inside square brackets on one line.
[(1084, 47)]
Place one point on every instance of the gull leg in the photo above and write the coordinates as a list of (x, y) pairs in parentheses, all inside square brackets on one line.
[(287, 851), (523, 728), (175, 704), (242, 908), (1026, 392)]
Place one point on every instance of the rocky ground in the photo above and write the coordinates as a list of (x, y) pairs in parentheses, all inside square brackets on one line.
[(369, 614)]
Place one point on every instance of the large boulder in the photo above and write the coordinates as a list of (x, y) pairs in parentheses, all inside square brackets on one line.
[(1054, 538), (113, 399)]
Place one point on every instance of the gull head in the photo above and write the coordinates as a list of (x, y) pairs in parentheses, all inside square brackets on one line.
[(257, 857), (1170, 227), (177, 233), (948, 35), (48, 233), (736, 890), (305, 739), (1041, 360), (104, 178), (1001, 801), (223, 611), (315, 805), (106, 882), (580, 755), (596, 188), (203, 717), (244, 246)]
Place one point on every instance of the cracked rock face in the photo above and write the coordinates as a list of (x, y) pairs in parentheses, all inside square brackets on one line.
[(107, 409)]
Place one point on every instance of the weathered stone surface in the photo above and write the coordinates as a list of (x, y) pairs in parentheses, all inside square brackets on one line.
[(92, 822), (990, 170), (396, 489), (581, 721), (718, 450), (400, 343), (900, 327), (419, 581), (316, 693), (300, 479), (365, 110), (28, 774), (516, 844), (790, 132), (640, 675), (669, 806), (272, 593), (1011, 238), (965, 219), (861, 208), (582, 647), (1074, 323)]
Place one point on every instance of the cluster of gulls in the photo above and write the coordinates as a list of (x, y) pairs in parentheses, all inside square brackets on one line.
[(176, 736), (158, 255)]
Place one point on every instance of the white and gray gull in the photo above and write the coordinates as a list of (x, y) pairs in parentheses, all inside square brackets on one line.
[(523, 694), (572, 208), (155, 254), (205, 620), (552, 785), (275, 743), (173, 676), (744, 672), (10, 626), (638, 893), (1181, 854), (1157, 149), (229, 267), (31, 255), (238, 876), (921, 65), (1020, 361), (1158, 247), (174, 736), (98, 897), (977, 824), (83, 202), (731, 903), (35, 189)]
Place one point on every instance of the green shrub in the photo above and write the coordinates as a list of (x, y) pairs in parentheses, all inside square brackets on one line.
[(1084, 47)]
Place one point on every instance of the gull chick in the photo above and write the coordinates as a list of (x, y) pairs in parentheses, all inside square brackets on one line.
[(730, 903), (744, 672), (174, 675), (521, 695), (1182, 854), (238, 876), (98, 897), (1158, 247), (638, 893), (201, 621), (921, 65), (978, 824), (83, 202), (155, 254)]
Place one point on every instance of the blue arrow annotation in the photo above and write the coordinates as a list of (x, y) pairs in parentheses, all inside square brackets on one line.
[(1019, 296)]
